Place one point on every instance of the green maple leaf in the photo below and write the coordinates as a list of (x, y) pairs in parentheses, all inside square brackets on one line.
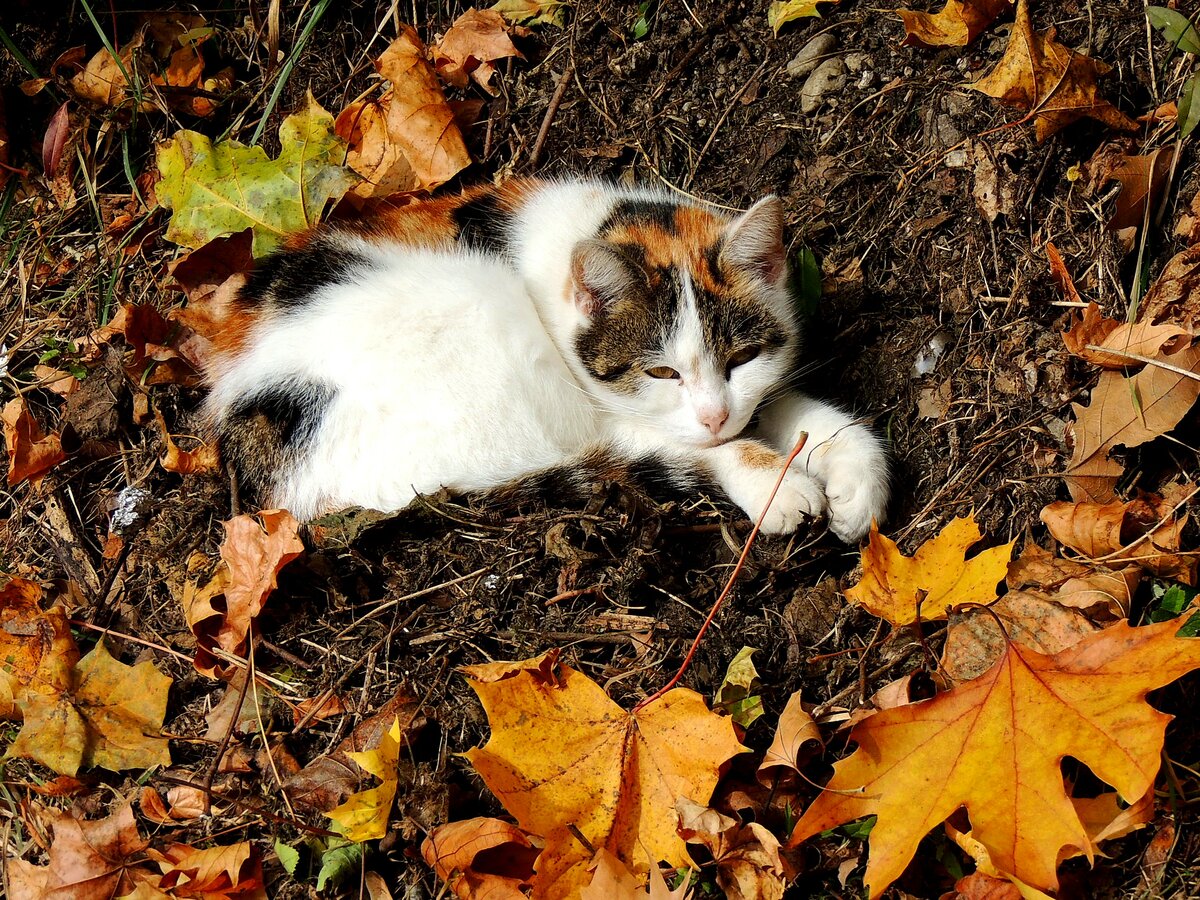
[(223, 188)]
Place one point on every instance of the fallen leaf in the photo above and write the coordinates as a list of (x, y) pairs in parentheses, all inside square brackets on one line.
[(466, 855), (563, 754), (797, 740), (88, 860), (105, 79), (110, 715), (55, 140), (1143, 181), (219, 189), (995, 746), (738, 693), (1175, 296), (612, 880), (1085, 586), (364, 815), (749, 866), (375, 154), (1119, 339), (780, 12), (892, 583), (152, 338), (1117, 531), (476, 40), (533, 12), (419, 119), (320, 708), (1107, 820), (957, 24), (991, 883), (1054, 83), (256, 547), (974, 639), (5, 154), (36, 646), (232, 872), (31, 453), (1128, 411)]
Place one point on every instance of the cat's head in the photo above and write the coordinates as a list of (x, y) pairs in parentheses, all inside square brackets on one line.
[(685, 318)]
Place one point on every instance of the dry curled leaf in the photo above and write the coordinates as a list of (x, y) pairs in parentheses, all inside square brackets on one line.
[(749, 866), (1108, 343), (797, 740), (1087, 586), (31, 452), (892, 583), (995, 746), (1175, 297), (533, 12), (563, 754), (1143, 181), (153, 341), (476, 40), (957, 23), (1054, 83), (36, 646), (466, 856)]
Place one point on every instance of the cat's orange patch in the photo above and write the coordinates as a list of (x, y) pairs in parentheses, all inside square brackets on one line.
[(754, 455)]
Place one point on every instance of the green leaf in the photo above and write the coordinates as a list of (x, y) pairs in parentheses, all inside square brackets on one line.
[(859, 830), (1189, 106), (223, 188), (738, 693), (806, 282), (641, 25), (1170, 600), (1191, 628), (1175, 27), (289, 857), (338, 862)]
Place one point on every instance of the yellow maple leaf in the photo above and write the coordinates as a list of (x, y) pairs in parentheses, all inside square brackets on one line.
[(564, 759), (364, 816), (892, 582), (957, 24), (995, 746), (780, 12), (108, 714)]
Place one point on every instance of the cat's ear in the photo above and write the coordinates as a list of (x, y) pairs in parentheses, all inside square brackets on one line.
[(600, 276), (753, 241)]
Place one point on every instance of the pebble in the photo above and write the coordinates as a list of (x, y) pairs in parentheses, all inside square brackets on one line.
[(856, 62), (827, 78), (810, 55)]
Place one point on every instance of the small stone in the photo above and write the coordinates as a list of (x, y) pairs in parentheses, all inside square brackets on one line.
[(856, 62), (865, 80), (810, 55), (827, 78)]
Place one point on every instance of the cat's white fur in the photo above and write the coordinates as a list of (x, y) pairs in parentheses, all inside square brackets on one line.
[(457, 371)]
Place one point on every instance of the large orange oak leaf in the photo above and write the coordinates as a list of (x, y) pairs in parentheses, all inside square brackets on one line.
[(109, 715), (957, 24), (1055, 83), (892, 582), (995, 746), (564, 756)]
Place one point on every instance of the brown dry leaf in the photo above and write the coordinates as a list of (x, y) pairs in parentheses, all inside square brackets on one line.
[(36, 646), (563, 754), (153, 340), (1117, 531), (211, 278), (1062, 277), (1127, 411), (465, 856), (957, 24), (104, 80), (110, 715), (5, 155), (797, 740), (1118, 339), (995, 746), (892, 582), (612, 880), (749, 866), (1143, 182), (476, 40), (1175, 296), (974, 640), (88, 860), (31, 453), (374, 153), (256, 547), (320, 708), (1079, 585), (1106, 819), (991, 884), (1054, 83), (419, 119), (233, 872)]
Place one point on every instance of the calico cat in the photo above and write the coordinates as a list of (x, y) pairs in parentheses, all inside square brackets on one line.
[(564, 330)]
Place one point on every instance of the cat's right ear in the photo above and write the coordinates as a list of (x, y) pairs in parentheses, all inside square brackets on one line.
[(600, 276)]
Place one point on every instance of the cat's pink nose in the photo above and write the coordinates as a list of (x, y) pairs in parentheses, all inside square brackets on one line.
[(713, 418)]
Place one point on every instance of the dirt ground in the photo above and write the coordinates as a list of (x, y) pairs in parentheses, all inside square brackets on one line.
[(883, 183)]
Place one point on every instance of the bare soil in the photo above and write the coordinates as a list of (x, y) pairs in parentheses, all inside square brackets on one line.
[(702, 103)]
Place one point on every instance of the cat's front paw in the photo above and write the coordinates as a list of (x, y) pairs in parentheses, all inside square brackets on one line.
[(799, 497), (854, 502)]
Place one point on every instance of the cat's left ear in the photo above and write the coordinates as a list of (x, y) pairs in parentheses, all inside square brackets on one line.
[(753, 241)]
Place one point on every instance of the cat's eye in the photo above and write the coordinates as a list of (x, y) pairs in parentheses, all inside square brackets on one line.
[(743, 356), (662, 372)]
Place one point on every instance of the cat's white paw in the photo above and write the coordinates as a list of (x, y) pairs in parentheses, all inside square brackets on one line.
[(799, 497), (853, 503)]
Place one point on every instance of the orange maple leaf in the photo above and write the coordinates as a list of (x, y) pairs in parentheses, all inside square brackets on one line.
[(564, 759), (957, 24), (892, 582), (995, 747), (1055, 83)]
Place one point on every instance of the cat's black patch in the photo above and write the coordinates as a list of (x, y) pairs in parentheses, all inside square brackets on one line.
[(628, 212), (483, 224), (292, 410), (290, 277)]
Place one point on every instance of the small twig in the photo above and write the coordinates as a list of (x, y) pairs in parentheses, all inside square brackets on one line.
[(211, 775), (1148, 360), (733, 576), (551, 111), (712, 136), (247, 805), (391, 603)]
